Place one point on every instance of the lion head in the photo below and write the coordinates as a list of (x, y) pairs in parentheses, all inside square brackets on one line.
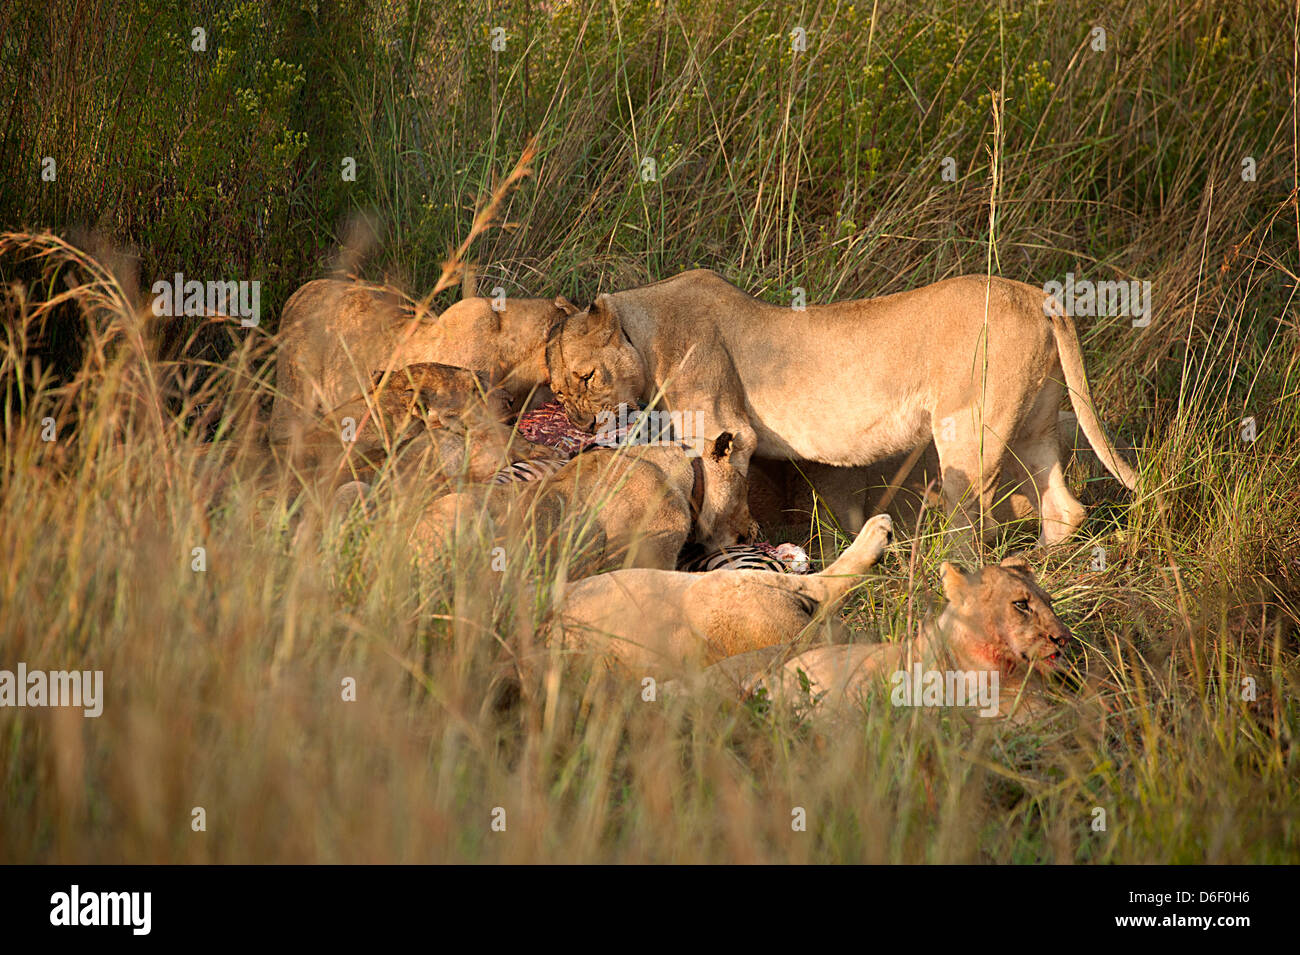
[(593, 365), (999, 618), (422, 408), (724, 517)]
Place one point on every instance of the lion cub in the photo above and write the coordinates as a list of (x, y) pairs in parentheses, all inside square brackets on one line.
[(997, 621), (655, 619)]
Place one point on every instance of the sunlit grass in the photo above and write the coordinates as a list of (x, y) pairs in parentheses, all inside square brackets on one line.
[(224, 688)]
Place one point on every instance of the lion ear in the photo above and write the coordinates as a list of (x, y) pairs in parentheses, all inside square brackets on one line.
[(565, 306), (720, 448), (499, 402), (953, 579), (602, 320), (424, 401), (1016, 561)]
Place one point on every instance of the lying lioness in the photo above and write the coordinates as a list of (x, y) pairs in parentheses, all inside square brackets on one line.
[(334, 335), (997, 621), (851, 383), (655, 620), (636, 506)]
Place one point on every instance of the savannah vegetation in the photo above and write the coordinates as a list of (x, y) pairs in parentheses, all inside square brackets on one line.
[(818, 169)]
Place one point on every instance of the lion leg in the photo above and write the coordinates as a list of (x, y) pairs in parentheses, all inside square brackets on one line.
[(971, 471), (1060, 511), (970, 510), (846, 495), (1038, 449)]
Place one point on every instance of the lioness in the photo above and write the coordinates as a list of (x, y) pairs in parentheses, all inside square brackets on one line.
[(334, 335), (972, 363), (436, 421), (649, 620), (638, 506), (997, 620)]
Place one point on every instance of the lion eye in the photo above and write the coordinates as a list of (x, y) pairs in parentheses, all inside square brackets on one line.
[(586, 379), (1022, 606)]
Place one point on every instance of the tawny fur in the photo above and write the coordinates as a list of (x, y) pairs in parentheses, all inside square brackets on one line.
[(632, 506), (980, 629), (781, 492), (974, 364), (428, 422), (654, 621), (335, 335)]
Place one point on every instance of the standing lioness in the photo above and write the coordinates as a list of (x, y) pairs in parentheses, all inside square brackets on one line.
[(974, 364)]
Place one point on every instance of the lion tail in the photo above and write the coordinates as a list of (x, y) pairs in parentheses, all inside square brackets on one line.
[(1076, 381)]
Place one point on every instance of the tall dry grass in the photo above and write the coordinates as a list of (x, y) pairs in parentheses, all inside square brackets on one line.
[(224, 687)]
